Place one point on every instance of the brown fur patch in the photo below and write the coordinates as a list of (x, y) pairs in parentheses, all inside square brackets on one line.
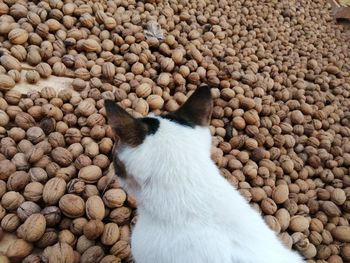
[(127, 129), (196, 110)]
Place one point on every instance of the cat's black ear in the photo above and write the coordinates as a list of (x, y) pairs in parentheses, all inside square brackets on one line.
[(128, 129), (197, 109)]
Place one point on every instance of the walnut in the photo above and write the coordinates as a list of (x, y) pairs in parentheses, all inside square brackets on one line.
[(33, 228), (72, 205), (26, 209), (53, 190), (52, 215)]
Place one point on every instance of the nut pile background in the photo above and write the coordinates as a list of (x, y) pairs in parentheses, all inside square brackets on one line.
[(280, 77)]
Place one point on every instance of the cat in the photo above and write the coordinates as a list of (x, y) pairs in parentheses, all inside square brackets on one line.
[(187, 212)]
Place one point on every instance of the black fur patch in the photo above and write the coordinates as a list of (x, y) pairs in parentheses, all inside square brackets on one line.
[(119, 166), (178, 120), (195, 111), (152, 124)]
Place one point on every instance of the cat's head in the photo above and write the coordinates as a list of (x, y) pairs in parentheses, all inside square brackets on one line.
[(148, 147)]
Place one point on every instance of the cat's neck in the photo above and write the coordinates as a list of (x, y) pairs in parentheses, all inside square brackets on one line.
[(180, 190)]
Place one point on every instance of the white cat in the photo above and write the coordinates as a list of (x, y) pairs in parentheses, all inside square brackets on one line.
[(188, 213)]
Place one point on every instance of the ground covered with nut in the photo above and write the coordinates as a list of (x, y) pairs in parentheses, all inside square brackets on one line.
[(280, 125)]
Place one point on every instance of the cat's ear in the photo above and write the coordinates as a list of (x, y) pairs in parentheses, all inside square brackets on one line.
[(127, 129), (198, 108)]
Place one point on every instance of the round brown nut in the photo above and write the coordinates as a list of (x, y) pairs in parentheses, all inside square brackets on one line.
[(110, 234), (268, 206), (32, 76), (62, 156), (66, 236), (341, 233), (18, 36), (121, 249), (33, 191), (83, 244), (33, 228), (60, 252), (10, 222), (144, 90), (24, 120), (155, 102), (280, 193), (4, 119), (19, 250), (6, 169), (78, 225), (53, 190), (95, 208), (299, 223), (72, 205), (9, 62), (114, 198), (44, 70), (26, 209), (92, 255), (11, 200), (52, 215), (111, 259), (90, 174), (338, 196), (6, 83), (93, 229)]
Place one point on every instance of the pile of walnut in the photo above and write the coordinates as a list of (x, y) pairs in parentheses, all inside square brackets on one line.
[(281, 128)]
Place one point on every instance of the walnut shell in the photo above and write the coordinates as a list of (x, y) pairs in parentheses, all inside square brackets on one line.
[(10, 222), (60, 252), (92, 255), (298, 223), (72, 205), (62, 156), (114, 198), (155, 102), (18, 180), (341, 233), (33, 228), (19, 250), (18, 36), (44, 70), (33, 191), (95, 208), (9, 62), (32, 76), (6, 83), (90, 174), (54, 189), (280, 193), (121, 249), (6, 169), (11, 200), (52, 215), (93, 229), (26, 209), (91, 45), (110, 234), (24, 120)]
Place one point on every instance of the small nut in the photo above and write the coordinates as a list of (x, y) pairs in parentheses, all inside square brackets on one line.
[(53, 190), (33, 228), (26, 209), (95, 208), (19, 250), (93, 229), (90, 174), (72, 205), (52, 215)]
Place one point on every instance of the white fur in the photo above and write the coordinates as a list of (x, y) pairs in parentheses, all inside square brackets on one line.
[(188, 213)]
